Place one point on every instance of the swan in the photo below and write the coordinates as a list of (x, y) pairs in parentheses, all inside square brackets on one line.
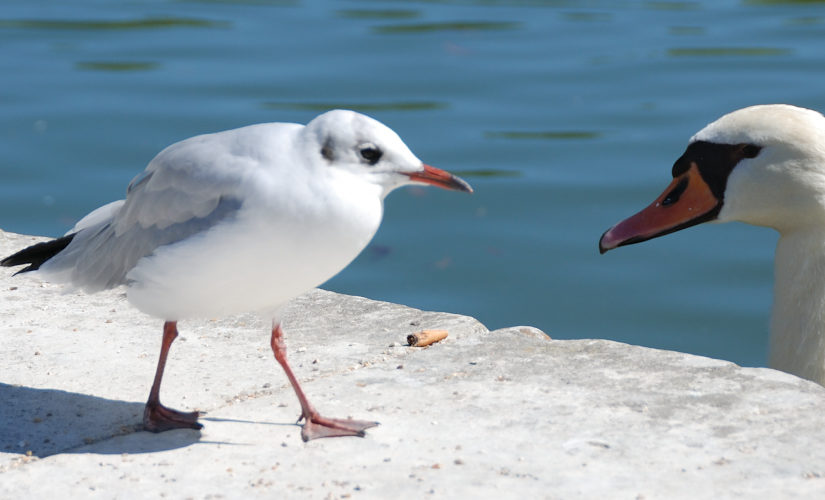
[(762, 165)]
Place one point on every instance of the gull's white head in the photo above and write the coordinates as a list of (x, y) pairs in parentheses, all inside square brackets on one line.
[(365, 147), (764, 165)]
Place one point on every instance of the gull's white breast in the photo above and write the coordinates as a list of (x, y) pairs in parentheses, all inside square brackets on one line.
[(289, 236)]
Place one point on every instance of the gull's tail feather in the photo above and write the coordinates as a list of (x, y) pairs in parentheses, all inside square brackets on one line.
[(37, 254)]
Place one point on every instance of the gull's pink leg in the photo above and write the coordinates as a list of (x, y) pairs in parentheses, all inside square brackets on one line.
[(156, 417), (315, 426)]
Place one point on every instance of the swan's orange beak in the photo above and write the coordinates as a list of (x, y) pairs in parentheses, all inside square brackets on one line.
[(687, 201)]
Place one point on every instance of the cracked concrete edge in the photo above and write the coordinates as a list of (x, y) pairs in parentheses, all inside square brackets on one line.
[(611, 418)]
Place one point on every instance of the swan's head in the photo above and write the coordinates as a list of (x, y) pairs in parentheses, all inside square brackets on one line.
[(764, 165)]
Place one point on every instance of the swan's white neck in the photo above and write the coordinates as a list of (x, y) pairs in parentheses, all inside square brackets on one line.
[(798, 319)]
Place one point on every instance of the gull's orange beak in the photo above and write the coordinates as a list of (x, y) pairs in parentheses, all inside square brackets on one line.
[(687, 201), (440, 178)]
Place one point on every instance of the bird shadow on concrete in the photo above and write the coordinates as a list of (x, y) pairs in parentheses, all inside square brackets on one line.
[(44, 422)]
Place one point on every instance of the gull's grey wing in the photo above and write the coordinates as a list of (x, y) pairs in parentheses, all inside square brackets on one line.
[(185, 181), (187, 189)]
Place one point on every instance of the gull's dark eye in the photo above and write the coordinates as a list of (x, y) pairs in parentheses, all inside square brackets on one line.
[(327, 150), (370, 153)]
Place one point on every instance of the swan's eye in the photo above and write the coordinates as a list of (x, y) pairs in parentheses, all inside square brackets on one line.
[(370, 153), (676, 193), (750, 151)]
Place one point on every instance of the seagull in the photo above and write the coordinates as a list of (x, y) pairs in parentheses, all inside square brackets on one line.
[(762, 165), (239, 221)]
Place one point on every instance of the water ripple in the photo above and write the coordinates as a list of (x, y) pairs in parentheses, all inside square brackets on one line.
[(448, 26), (783, 2), (126, 24), (379, 14), (116, 66), (727, 51), (264, 3), (687, 30), (548, 135), (675, 6)]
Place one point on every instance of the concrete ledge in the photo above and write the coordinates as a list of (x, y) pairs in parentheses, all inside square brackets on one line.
[(508, 413)]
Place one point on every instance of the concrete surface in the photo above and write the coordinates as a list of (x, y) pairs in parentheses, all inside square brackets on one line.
[(501, 414)]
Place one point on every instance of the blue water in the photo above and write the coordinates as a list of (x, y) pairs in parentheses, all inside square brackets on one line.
[(565, 116)]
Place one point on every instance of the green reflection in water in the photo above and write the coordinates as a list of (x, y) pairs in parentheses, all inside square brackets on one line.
[(379, 14), (545, 136), (672, 5), (364, 107), (511, 3), (686, 30), (116, 66), (487, 172), (804, 21), (447, 26), (128, 24), (270, 3), (782, 2), (587, 16), (727, 51)]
